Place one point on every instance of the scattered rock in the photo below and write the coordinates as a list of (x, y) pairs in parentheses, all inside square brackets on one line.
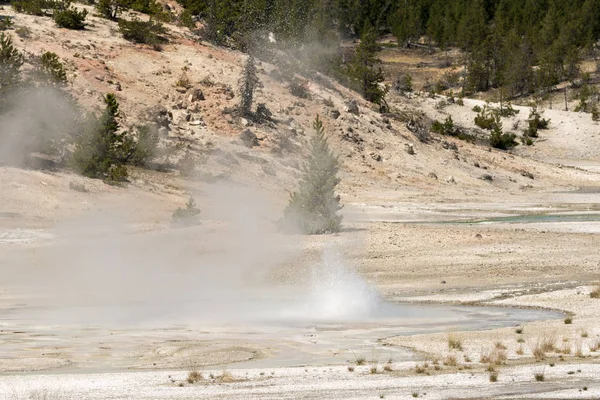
[(197, 95), (443, 282), (245, 122), (352, 107), (249, 138), (379, 144), (158, 114), (451, 179), (375, 156), (99, 78), (409, 148), (449, 146), (433, 175), (118, 87), (335, 114), (478, 236), (527, 174), (487, 177)]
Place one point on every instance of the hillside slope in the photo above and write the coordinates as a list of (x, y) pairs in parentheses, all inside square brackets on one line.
[(379, 166)]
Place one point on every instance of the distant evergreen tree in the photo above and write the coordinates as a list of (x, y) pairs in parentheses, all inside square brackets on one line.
[(247, 85), (364, 70), (313, 208)]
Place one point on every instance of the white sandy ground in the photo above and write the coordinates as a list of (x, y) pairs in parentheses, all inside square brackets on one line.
[(312, 383)]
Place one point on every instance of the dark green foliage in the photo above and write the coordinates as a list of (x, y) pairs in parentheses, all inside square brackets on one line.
[(535, 123), (33, 7), (11, 61), (507, 111), (111, 9), (499, 139), (144, 32), (364, 71), (313, 208), (6, 23), (485, 118), (247, 85), (186, 19), (101, 151), (145, 147), (187, 215), (448, 128), (70, 18), (51, 69)]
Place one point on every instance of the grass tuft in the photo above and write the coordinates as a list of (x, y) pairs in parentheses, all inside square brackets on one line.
[(455, 342), (194, 377), (595, 293)]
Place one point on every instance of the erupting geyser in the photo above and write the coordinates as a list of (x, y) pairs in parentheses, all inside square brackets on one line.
[(338, 293)]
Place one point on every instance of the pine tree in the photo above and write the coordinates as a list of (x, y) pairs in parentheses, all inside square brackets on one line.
[(111, 9), (247, 85), (11, 61), (101, 152), (313, 208), (363, 70)]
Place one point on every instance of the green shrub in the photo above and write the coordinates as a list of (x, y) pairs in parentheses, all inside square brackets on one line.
[(449, 129), (507, 111), (5, 23), (11, 61), (485, 118), (70, 18), (499, 139), (187, 19), (51, 70), (110, 9), (143, 32), (476, 108), (33, 7), (535, 122), (187, 215)]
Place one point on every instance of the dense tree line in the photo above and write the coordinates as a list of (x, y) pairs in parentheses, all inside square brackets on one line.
[(523, 45)]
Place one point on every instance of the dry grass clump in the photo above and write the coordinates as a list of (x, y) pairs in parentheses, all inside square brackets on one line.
[(350, 368), (520, 351), (194, 377), (455, 342), (595, 345), (373, 369), (579, 350), (496, 356), (539, 375), (450, 360), (225, 376), (421, 368), (499, 345), (595, 294), (360, 360), (388, 367)]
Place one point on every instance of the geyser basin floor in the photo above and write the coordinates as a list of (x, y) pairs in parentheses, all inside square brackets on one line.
[(163, 345)]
